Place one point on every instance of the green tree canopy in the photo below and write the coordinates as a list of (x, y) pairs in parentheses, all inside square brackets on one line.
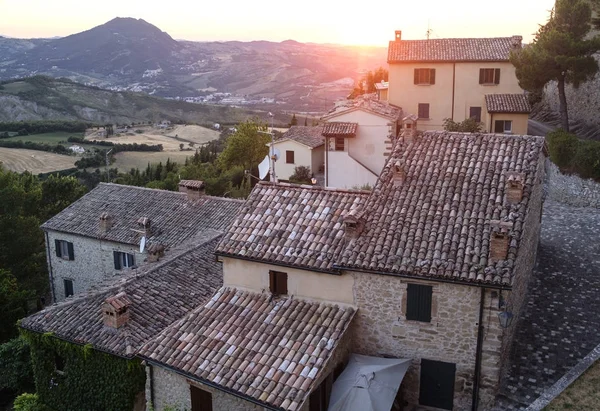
[(561, 51), (246, 147)]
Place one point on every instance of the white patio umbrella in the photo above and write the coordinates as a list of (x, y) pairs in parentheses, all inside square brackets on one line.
[(368, 384)]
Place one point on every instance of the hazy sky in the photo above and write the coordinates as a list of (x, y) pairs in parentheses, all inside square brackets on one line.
[(321, 21)]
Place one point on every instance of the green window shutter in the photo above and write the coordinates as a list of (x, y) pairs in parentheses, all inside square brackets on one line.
[(432, 76), (130, 260), (418, 302), (57, 246), (117, 260), (481, 75), (71, 251), (497, 77)]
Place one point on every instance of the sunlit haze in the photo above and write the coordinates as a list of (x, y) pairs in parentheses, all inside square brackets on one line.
[(364, 23)]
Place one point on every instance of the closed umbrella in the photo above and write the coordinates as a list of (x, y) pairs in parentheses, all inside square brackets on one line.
[(368, 384)]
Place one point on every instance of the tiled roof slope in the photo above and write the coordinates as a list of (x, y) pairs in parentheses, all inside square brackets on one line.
[(309, 136), (173, 218), (272, 351), (369, 103), (433, 50), (339, 129), (292, 225), (160, 296), (507, 103), (437, 223)]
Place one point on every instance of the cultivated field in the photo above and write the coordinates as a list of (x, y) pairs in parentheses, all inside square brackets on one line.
[(135, 159), (19, 160), (195, 134)]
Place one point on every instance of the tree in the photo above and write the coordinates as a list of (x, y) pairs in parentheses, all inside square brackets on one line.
[(560, 52), (302, 175), (294, 121), (469, 125), (13, 303), (305, 121), (246, 147)]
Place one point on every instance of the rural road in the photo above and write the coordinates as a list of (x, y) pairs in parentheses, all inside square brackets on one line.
[(535, 128)]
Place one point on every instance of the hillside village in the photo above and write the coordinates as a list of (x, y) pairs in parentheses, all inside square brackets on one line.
[(412, 268)]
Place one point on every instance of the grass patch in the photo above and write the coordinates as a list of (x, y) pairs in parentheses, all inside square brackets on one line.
[(583, 394), (48, 138), (19, 160)]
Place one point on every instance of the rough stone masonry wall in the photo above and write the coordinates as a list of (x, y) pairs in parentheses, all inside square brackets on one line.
[(173, 390), (92, 265), (571, 189), (381, 328)]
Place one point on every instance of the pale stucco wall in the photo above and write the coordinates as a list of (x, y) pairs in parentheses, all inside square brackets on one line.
[(345, 172), (318, 159), (519, 126), (301, 283), (302, 157), (93, 263), (467, 90)]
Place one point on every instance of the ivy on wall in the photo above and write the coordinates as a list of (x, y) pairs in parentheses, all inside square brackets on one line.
[(89, 380)]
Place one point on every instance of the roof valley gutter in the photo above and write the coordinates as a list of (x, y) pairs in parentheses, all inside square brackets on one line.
[(477, 373), (435, 279), (211, 384), (50, 272)]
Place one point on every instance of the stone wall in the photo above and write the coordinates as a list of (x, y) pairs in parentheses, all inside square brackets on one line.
[(173, 390), (92, 265), (571, 189)]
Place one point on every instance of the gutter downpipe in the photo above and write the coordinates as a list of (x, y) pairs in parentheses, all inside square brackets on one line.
[(151, 384), (49, 258), (478, 351), (453, 87), (326, 161)]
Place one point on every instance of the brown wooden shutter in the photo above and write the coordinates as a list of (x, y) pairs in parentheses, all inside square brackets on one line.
[(282, 283), (497, 77), (201, 400), (416, 76), (431, 76), (481, 75), (272, 282)]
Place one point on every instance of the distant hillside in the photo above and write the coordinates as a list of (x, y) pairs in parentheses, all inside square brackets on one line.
[(45, 98), (131, 54)]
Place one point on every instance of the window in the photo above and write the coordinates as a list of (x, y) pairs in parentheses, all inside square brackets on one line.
[(424, 110), (278, 282), (201, 400), (489, 76), (425, 76), (319, 398), (59, 363), (503, 126), (340, 144), (289, 157), (475, 112), (64, 250), (436, 388), (123, 260), (68, 288), (418, 302)]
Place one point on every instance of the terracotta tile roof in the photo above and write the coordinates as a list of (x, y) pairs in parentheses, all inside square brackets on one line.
[(159, 296), (507, 103), (309, 136), (366, 102), (272, 351), (474, 49), (340, 129), (437, 223), (173, 218), (291, 225), (384, 85)]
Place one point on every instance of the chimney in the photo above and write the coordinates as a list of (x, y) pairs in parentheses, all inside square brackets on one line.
[(106, 222), (515, 42), (409, 128), (398, 173), (514, 187), (155, 252), (193, 188), (354, 224), (144, 226), (499, 240), (115, 310), (398, 35)]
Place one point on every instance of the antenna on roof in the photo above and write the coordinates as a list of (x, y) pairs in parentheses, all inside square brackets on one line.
[(142, 244), (429, 30)]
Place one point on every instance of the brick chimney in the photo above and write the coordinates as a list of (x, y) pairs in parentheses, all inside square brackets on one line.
[(115, 310), (155, 252), (514, 187), (398, 173), (106, 222), (193, 188), (398, 35), (144, 226), (499, 240), (354, 224)]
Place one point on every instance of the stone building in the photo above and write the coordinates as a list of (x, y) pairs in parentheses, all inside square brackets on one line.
[(99, 236)]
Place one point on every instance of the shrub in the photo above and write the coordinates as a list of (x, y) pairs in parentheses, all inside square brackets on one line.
[(562, 147), (586, 161), (15, 363), (29, 402), (468, 125), (302, 175)]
